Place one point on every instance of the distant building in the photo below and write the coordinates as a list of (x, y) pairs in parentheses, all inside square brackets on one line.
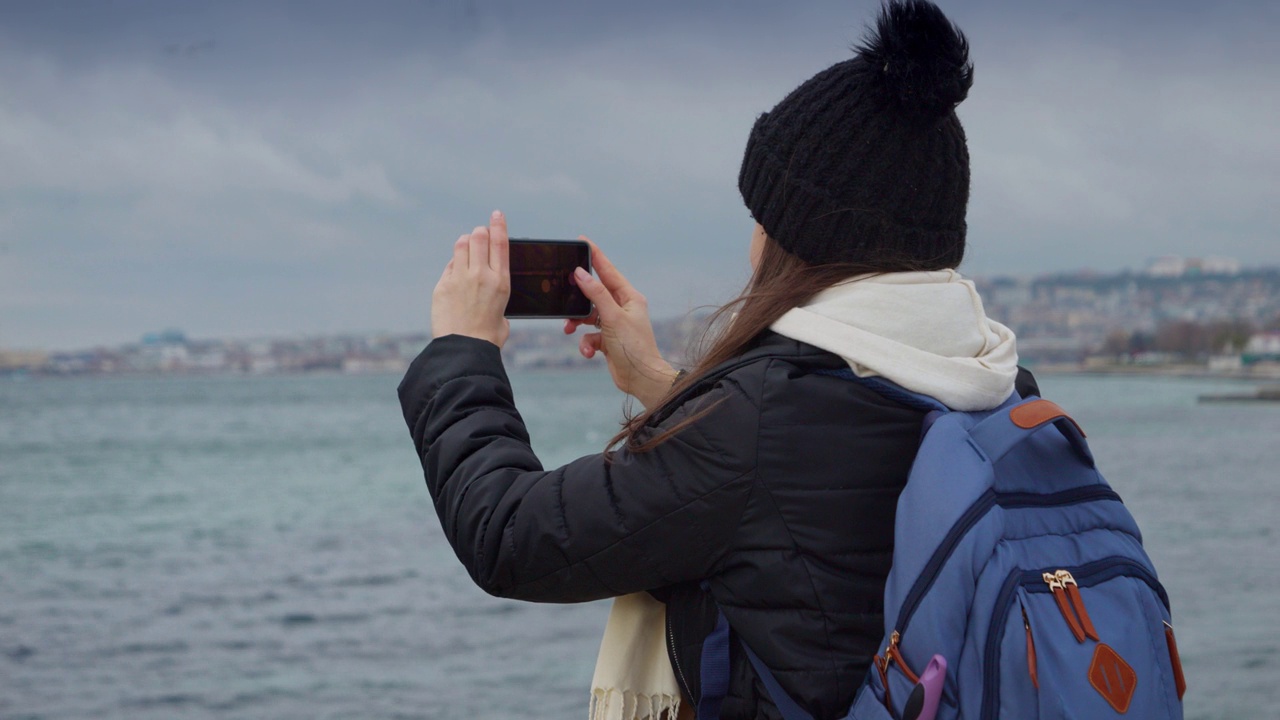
[(374, 365), (22, 360), (165, 337), (1220, 266), (1262, 347), (1176, 267)]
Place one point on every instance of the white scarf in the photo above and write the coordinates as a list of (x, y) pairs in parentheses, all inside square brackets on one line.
[(633, 678), (925, 331)]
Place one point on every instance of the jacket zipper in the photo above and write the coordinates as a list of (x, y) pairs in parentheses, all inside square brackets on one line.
[(675, 660), (1095, 572)]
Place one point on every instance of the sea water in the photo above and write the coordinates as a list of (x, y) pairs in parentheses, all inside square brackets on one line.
[(264, 547)]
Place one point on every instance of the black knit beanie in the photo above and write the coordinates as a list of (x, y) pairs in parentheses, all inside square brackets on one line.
[(866, 161)]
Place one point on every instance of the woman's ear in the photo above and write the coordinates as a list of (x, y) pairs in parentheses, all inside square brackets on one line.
[(758, 238)]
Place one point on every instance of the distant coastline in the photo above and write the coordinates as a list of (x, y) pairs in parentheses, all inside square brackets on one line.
[(1204, 318), (531, 346), (1261, 372)]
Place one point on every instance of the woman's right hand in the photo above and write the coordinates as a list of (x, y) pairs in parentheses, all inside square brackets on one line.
[(625, 334)]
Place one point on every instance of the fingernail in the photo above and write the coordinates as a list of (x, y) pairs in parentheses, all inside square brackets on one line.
[(582, 275), (497, 214)]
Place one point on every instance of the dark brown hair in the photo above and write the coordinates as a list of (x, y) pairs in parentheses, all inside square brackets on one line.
[(781, 281)]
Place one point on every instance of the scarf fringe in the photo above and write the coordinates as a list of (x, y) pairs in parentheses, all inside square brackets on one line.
[(614, 704)]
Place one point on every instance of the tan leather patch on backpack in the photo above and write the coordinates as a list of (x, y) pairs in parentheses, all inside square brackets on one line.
[(1038, 412), (1112, 677)]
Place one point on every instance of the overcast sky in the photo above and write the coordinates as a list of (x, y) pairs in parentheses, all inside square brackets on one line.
[(239, 169)]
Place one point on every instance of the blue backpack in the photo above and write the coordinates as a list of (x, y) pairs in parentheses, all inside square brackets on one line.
[(1019, 586)]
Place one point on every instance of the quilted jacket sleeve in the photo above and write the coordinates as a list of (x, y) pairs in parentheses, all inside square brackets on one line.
[(587, 530)]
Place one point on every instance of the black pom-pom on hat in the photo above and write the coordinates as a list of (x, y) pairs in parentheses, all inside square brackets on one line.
[(923, 58), (866, 162)]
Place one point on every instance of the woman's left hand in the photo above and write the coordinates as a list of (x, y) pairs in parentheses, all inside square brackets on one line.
[(471, 297), (625, 333)]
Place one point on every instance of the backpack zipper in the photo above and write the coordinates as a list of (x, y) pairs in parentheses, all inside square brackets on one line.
[(1072, 590), (893, 654), (1179, 680), (1031, 652), (1093, 573), (1059, 592)]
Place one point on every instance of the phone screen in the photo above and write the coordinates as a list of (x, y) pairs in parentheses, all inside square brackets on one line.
[(542, 282)]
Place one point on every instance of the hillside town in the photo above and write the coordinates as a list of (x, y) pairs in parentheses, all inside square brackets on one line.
[(1183, 312), (1194, 315)]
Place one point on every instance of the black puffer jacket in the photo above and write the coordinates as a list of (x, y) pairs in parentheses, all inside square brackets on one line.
[(782, 497)]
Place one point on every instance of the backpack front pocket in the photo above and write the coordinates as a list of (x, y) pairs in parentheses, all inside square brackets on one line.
[(1080, 642)]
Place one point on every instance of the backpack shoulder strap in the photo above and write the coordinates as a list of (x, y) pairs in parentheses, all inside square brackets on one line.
[(715, 677)]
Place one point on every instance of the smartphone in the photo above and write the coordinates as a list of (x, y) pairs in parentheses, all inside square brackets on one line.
[(542, 281)]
